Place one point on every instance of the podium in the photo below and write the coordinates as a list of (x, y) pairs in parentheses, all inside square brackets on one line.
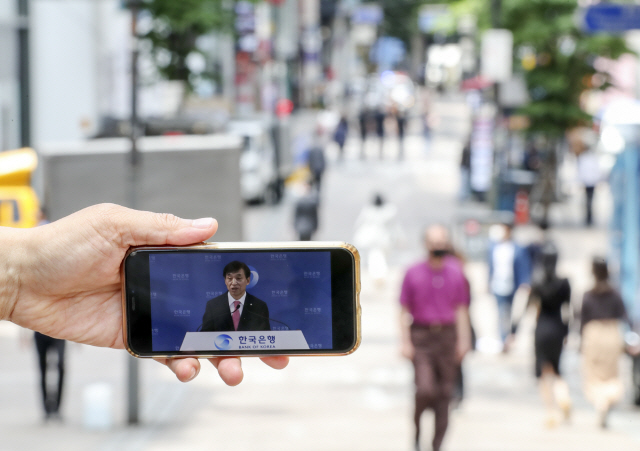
[(244, 341)]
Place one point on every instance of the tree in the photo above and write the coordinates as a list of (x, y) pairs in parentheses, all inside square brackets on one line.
[(557, 61), (400, 18), (175, 27)]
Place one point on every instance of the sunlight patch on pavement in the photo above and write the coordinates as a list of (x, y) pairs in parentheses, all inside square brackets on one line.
[(376, 398)]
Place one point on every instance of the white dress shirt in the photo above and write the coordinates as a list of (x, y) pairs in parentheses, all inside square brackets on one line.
[(232, 300), (502, 282)]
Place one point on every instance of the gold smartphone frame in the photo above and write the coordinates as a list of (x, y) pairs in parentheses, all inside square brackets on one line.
[(245, 246)]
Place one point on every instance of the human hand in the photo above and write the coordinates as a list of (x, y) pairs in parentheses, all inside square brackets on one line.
[(407, 349), (463, 347), (508, 343), (64, 277)]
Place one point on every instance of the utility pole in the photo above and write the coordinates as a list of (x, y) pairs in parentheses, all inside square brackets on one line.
[(133, 376), (23, 73), (134, 5), (496, 10)]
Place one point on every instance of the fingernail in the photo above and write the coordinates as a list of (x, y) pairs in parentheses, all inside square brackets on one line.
[(202, 223), (192, 374)]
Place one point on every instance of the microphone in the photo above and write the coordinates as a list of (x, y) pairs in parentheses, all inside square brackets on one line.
[(271, 319)]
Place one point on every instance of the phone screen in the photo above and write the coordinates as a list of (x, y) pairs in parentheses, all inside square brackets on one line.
[(240, 302)]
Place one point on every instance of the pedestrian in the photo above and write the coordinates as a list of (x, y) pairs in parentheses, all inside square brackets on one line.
[(379, 117), (590, 175), (400, 115), (601, 316), (363, 121), (465, 171), (51, 393), (340, 135), (376, 231), (538, 240), (435, 329), (305, 220), (551, 294), (317, 165), (509, 269), (317, 161)]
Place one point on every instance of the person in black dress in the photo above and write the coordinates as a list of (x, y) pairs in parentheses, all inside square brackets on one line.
[(551, 294)]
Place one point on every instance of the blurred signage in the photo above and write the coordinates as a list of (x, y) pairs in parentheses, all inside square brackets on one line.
[(482, 151), (513, 92), (431, 17), (284, 107), (610, 18), (287, 30), (247, 44), (364, 34), (309, 13), (245, 17), (387, 52), (496, 55), (367, 14)]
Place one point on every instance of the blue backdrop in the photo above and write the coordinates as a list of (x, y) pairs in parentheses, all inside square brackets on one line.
[(295, 285)]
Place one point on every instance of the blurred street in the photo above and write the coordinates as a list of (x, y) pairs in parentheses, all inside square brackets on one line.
[(363, 401)]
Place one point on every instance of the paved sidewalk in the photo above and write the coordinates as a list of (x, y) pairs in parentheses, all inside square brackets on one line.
[(359, 402)]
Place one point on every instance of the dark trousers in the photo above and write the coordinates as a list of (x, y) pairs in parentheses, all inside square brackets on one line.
[(44, 345), (401, 126), (436, 369), (589, 190)]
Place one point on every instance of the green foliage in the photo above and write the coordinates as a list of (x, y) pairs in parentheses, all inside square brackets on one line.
[(400, 18), (176, 26), (564, 55)]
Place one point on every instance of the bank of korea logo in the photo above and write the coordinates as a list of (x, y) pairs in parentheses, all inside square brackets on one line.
[(223, 342), (254, 277)]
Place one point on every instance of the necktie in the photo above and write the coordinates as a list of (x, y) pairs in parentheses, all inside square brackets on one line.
[(236, 314)]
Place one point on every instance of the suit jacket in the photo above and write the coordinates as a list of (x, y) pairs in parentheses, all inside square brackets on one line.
[(521, 265), (217, 315)]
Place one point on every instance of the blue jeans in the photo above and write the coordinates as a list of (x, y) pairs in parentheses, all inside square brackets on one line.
[(504, 315)]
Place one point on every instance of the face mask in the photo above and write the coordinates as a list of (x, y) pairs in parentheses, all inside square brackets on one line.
[(438, 253)]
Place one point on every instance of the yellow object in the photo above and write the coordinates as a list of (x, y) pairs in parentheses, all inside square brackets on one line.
[(529, 62), (16, 166), (299, 175), (19, 205)]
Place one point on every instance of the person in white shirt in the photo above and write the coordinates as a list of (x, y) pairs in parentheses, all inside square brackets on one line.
[(509, 268)]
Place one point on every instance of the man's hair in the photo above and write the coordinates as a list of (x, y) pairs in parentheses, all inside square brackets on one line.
[(600, 269), (236, 266)]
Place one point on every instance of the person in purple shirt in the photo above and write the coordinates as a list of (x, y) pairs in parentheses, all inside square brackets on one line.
[(435, 327)]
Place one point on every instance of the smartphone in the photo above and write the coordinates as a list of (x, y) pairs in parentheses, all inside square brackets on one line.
[(241, 299)]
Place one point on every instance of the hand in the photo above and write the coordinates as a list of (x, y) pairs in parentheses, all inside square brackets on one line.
[(462, 349), (508, 343), (407, 349), (68, 277)]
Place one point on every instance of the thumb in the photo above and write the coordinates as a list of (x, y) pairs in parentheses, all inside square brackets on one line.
[(138, 228)]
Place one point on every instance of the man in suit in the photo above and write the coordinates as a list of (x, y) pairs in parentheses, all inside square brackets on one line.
[(236, 309)]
